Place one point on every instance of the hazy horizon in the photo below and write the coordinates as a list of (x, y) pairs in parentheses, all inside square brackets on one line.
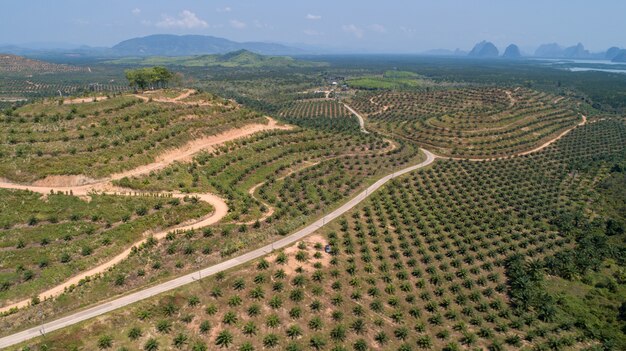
[(394, 26)]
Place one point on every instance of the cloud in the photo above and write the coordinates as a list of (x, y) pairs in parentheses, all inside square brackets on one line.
[(237, 24), (224, 9), (185, 19), (352, 29), (135, 11), (81, 22), (379, 28), (313, 17)]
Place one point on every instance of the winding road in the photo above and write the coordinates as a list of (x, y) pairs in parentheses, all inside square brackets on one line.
[(192, 277), (361, 119), (105, 186)]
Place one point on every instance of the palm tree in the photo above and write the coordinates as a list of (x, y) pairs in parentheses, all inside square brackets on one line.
[(358, 326), (317, 342), (294, 331), (338, 333), (360, 345), (250, 328), (224, 339), (199, 346), (134, 333), (204, 327), (105, 342), (230, 317), (151, 345), (164, 326), (270, 341), (381, 338), (180, 340)]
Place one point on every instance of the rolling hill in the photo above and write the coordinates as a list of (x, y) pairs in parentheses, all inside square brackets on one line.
[(239, 58), (19, 64)]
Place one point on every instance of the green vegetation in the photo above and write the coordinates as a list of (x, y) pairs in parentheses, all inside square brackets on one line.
[(97, 139), (470, 122), (326, 114), (435, 260), (389, 80), (46, 240), (235, 59), (153, 77), (509, 252)]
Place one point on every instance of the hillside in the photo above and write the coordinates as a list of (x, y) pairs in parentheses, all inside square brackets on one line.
[(189, 45), (13, 63), (239, 58)]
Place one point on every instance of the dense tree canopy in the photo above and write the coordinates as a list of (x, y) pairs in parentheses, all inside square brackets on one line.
[(152, 77)]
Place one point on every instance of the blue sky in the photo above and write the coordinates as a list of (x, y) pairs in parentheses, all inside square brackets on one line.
[(382, 26)]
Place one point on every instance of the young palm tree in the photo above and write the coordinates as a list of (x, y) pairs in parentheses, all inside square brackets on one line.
[(294, 331), (180, 340), (224, 339), (105, 342), (151, 345)]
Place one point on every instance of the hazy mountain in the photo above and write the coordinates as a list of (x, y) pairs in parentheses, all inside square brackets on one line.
[(187, 45), (484, 49), (612, 52), (620, 57), (552, 50), (576, 52), (512, 52)]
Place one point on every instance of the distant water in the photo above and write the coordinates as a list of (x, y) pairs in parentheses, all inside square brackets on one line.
[(574, 65), (583, 69)]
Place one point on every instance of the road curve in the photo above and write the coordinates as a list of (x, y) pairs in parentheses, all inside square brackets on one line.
[(191, 277), (361, 120), (104, 186)]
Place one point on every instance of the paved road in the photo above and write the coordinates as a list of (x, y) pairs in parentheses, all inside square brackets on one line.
[(190, 278), (361, 120)]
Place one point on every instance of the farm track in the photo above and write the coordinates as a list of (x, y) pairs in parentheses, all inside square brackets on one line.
[(361, 119), (239, 260), (84, 187)]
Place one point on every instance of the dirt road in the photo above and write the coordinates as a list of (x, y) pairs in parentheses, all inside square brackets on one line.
[(80, 186)]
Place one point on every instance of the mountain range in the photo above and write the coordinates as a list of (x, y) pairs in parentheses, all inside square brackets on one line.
[(192, 45), (187, 45), (160, 45), (486, 49)]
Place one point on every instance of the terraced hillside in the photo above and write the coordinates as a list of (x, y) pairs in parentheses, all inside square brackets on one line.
[(72, 224), (25, 79), (433, 261), (320, 113), (96, 139), (471, 122), (272, 182), (13, 63)]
